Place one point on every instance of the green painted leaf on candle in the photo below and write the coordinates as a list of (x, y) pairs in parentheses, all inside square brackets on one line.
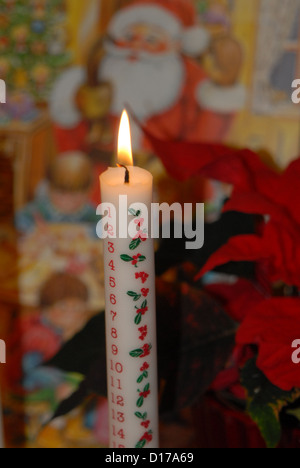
[(136, 297), (142, 258), (126, 258), (140, 402), (141, 444), (142, 416), (135, 243), (138, 319), (140, 379), (136, 353), (147, 388)]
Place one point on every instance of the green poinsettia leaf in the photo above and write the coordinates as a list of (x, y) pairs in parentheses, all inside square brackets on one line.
[(265, 402)]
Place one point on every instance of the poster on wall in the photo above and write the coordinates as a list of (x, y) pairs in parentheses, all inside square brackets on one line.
[(277, 66)]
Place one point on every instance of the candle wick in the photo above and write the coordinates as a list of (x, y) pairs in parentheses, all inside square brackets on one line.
[(127, 175)]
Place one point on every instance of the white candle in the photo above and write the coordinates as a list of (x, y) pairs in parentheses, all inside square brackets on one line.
[(130, 305)]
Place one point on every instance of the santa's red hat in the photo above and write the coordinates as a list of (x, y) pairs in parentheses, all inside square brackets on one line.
[(177, 17)]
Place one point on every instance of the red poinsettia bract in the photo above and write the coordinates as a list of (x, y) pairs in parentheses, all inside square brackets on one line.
[(273, 326)]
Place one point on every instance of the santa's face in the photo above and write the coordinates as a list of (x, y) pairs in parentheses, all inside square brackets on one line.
[(143, 37), (146, 70)]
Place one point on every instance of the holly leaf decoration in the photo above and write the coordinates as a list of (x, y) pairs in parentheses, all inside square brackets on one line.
[(135, 244), (142, 416), (147, 387), (140, 402), (138, 319), (265, 402), (136, 297), (136, 353), (141, 444), (126, 258)]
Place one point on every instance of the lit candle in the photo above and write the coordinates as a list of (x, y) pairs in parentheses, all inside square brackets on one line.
[(130, 301)]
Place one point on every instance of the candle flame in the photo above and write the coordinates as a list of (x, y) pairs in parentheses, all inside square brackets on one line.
[(124, 143)]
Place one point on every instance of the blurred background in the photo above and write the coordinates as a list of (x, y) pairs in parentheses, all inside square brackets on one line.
[(216, 71)]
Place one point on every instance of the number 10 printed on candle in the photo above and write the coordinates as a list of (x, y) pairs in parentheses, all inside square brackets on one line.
[(131, 340)]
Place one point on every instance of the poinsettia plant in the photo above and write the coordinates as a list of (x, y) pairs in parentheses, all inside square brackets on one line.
[(267, 304)]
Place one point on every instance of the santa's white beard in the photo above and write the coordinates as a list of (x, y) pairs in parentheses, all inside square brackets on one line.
[(150, 85)]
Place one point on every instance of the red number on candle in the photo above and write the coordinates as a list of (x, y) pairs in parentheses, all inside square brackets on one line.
[(113, 381), (112, 282), (119, 368), (120, 416), (119, 400), (116, 367), (115, 350), (112, 266), (120, 433), (111, 247), (114, 333), (113, 299), (114, 314)]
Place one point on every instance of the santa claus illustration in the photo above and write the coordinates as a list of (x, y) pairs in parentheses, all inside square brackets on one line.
[(151, 61)]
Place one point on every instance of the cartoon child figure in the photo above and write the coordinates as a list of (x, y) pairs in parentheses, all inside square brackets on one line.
[(37, 338), (64, 198)]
